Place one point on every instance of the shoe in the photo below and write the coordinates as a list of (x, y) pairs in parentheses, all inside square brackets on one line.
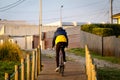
[(56, 70), (64, 63)]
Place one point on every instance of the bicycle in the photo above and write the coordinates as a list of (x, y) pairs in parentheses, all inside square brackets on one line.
[(61, 63)]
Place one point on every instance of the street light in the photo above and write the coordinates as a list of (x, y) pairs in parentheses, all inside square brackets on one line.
[(61, 15)]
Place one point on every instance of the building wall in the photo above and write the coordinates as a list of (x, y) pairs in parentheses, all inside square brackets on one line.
[(20, 41), (35, 41), (2, 30), (20, 30), (25, 42), (119, 21)]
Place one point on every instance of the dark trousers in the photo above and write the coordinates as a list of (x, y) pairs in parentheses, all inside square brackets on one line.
[(62, 46)]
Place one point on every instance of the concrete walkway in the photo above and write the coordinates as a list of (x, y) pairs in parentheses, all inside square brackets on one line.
[(73, 70)]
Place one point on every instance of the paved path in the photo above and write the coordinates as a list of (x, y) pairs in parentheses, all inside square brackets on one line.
[(73, 70)]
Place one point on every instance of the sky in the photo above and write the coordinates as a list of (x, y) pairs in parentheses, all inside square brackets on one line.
[(96, 11)]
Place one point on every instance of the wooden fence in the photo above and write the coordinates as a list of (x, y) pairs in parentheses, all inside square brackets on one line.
[(90, 66), (105, 46), (35, 59)]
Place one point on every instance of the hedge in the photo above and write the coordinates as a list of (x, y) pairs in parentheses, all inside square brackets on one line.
[(102, 31), (88, 27), (106, 29)]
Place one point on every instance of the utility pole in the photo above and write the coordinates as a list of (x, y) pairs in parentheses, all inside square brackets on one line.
[(40, 23), (111, 11), (61, 15)]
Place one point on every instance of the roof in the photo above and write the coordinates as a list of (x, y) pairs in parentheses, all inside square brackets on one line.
[(14, 22), (65, 23), (116, 15)]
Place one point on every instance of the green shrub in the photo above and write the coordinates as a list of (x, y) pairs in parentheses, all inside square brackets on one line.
[(9, 51), (116, 29), (113, 28), (102, 31), (88, 27)]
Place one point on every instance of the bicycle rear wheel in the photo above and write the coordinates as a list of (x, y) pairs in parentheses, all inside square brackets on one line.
[(61, 70), (61, 66)]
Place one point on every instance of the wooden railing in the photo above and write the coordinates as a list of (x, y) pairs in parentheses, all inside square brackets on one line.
[(35, 59), (90, 66)]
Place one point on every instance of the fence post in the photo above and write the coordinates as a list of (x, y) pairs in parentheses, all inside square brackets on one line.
[(36, 65), (7, 77), (90, 67), (86, 48), (22, 70), (93, 72), (39, 59), (28, 67), (16, 72), (87, 62), (86, 54), (33, 66)]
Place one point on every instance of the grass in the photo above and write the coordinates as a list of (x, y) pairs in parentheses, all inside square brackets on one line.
[(77, 51), (102, 73), (8, 67), (81, 52), (108, 74)]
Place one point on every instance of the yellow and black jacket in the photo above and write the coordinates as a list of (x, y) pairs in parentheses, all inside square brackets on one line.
[(60, 36)]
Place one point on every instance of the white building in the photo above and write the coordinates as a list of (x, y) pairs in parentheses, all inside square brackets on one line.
[(23, 33)]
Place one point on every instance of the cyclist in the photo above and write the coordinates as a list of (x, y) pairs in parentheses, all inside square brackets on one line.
[(60, 38)]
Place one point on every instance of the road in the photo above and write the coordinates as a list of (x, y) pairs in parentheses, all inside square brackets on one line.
[(73, 70)]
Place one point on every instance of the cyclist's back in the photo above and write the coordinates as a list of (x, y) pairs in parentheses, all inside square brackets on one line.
[(60, 39)]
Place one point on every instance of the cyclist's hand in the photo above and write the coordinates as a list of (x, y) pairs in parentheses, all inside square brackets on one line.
[(53, 48), (66, 48)]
